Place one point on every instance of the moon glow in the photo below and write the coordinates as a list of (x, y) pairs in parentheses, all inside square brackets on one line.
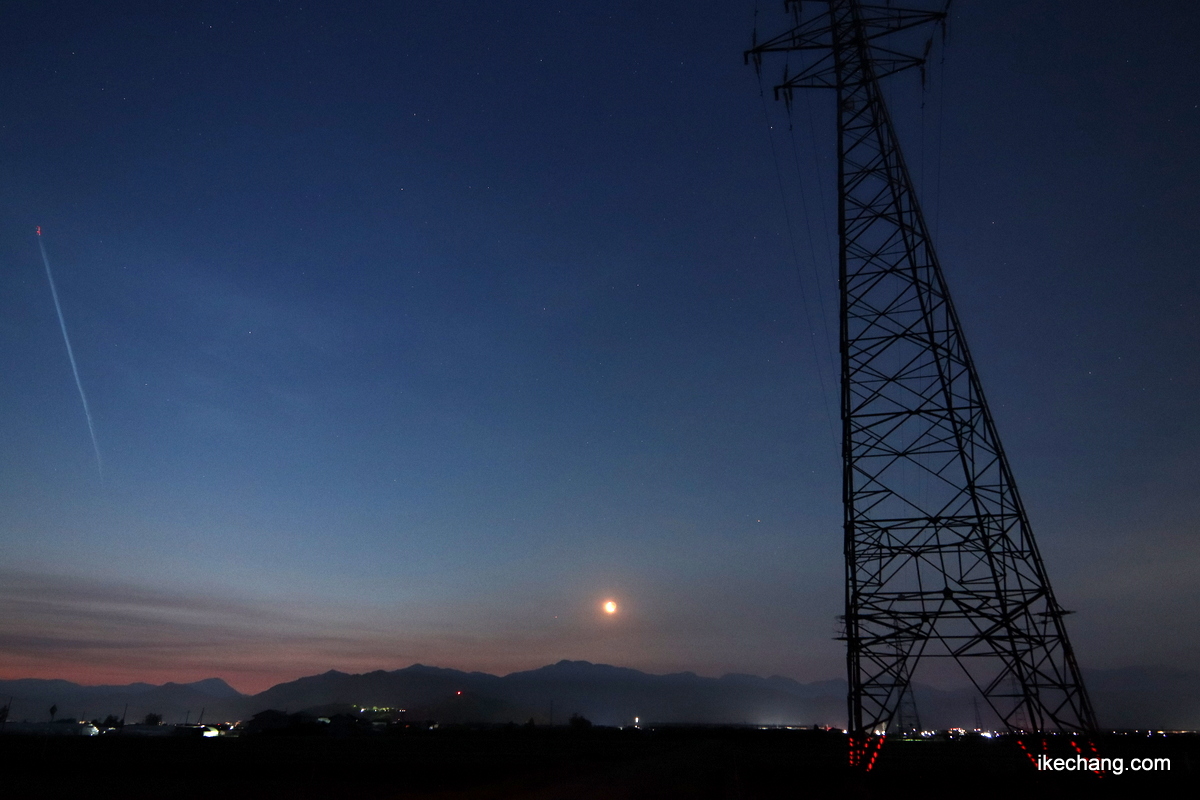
[(610, 607)]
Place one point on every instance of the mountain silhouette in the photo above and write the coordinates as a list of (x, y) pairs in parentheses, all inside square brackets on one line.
[(1135, 697), (31, 699)]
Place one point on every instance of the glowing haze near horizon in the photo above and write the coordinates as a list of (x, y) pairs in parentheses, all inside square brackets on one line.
[(415, 332)]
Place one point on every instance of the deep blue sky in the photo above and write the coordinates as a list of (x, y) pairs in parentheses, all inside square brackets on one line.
[(413, 331)]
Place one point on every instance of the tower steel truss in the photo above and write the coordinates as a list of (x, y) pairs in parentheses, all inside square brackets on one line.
[(940, 558)]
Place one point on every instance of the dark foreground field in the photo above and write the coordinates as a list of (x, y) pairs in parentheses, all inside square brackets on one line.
[(601, 763)]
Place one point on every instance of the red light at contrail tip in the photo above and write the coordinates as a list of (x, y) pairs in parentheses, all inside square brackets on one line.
[(39, 230)]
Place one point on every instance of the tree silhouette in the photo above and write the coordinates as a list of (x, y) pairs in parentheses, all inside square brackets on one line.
[(152, 719), (53, 711)]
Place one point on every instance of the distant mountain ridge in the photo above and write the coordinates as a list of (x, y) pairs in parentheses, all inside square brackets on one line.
[(33, 697), (1136, 697)]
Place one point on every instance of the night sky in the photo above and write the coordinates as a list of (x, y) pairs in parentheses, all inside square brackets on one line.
[(412, 332)]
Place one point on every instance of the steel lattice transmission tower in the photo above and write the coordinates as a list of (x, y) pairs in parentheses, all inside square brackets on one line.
[(940, 558)]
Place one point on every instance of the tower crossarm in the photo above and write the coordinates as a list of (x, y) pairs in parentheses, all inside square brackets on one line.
[(815, 35)]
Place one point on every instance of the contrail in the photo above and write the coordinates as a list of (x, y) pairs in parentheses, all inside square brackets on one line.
[(71, 355)]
